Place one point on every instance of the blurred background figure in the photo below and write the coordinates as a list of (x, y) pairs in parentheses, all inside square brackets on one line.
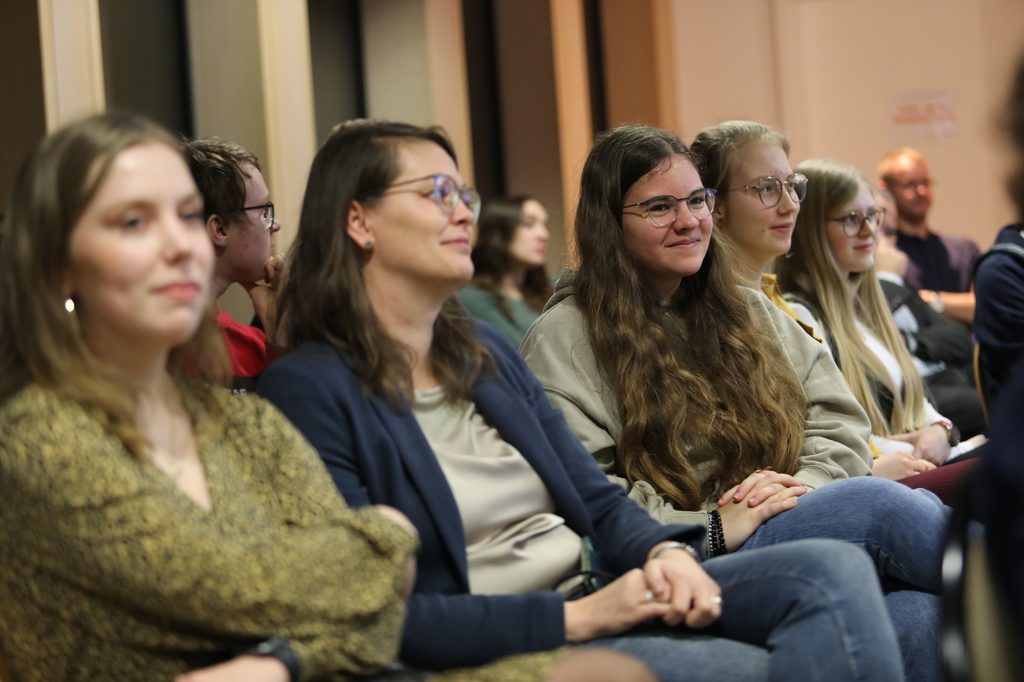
[(241, 225), (999, 316), (942, 349), (940, 265), (510, 283)]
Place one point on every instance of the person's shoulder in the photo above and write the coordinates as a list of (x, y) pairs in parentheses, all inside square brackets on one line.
[(309, 357), (1006, 257), (473, 296), (34, 408), (958, 243), (563, 310)]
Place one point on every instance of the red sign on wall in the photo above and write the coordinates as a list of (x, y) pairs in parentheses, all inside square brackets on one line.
[(924, 116)]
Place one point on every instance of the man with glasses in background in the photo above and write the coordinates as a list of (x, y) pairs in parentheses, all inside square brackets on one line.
[(240, 222), (940, 265)]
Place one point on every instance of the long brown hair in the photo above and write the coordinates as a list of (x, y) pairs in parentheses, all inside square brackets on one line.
[(841, 301), (42, 343), (695, 381), (325, 298), (499, 220)]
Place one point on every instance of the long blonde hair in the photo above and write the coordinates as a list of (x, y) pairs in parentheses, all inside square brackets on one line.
[(811, 271)]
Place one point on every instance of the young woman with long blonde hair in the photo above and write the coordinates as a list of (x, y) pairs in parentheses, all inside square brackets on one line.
[(830, 282)]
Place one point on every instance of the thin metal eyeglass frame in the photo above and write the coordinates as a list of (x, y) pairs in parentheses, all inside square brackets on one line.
[(789, 184), (874, 220), (709, 204), (469, 196)]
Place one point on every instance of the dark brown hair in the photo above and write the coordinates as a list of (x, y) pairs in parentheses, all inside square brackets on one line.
[(42, 343), (217, 168), (692, 375), (499, 220), (325, 297)]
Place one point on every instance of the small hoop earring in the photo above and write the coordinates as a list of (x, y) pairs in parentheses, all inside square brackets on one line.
[(368, 245), (69, 304)]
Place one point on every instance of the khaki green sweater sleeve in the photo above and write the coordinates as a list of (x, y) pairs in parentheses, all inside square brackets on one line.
[(112, 541), (558, 351), (836, 427)]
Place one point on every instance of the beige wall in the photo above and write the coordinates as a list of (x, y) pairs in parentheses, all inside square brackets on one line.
[(253, 85), (830, 74)]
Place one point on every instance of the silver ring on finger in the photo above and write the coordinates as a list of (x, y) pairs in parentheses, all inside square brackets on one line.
[(716, 599), (648, 596)]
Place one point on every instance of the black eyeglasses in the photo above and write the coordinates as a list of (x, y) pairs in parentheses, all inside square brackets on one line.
[(769, 189), (663, 210), (854, 220), (266, 212), (446, 193)]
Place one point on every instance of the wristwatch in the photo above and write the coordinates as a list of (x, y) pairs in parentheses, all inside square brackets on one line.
[(277, 647), (952, 432), (936, 302)]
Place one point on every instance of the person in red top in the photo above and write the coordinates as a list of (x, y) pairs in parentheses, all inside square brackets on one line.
[(240, 222)]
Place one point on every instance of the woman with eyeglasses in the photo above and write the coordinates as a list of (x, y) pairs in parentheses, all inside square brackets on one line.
[(830, 282), (758, 196), (759, 203), (510, 281), (712, 404), (412, 404)]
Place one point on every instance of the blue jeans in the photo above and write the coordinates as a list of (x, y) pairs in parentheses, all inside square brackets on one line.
[(902, 531), (811, 610)]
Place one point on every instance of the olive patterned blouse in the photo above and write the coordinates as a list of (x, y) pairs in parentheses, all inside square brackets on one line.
[(108, 571)]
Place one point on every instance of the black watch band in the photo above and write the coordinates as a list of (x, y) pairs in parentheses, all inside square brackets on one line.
[(277, 647)]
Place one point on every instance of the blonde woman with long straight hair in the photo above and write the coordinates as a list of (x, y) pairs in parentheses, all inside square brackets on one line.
[(830, 281)]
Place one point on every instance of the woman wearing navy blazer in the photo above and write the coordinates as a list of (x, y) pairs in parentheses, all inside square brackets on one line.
[(411, 404)]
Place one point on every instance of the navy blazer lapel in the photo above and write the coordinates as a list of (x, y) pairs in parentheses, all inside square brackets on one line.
[(518, 426), (425, 474)]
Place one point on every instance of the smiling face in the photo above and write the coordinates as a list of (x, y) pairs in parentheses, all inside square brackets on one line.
[(759, 233), (415, 245), (139, 259), (529, 245), (857, 253), (667, 254)]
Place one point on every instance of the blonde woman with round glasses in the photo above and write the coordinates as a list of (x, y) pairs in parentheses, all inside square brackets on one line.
[(830, 282), (759, 197)]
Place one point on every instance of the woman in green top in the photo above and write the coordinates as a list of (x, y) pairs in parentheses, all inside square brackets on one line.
[(510, 284)]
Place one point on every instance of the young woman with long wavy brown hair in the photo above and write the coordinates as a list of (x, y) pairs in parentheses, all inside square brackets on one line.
[(716, 407)]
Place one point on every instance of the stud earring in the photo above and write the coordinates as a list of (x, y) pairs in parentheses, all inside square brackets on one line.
[(69, 304), (368, 245)]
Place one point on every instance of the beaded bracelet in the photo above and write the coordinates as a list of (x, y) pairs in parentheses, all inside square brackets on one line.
[(716, 534)]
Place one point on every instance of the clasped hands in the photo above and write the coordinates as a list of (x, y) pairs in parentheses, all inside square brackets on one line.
[(672, 587), (760, 496)]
